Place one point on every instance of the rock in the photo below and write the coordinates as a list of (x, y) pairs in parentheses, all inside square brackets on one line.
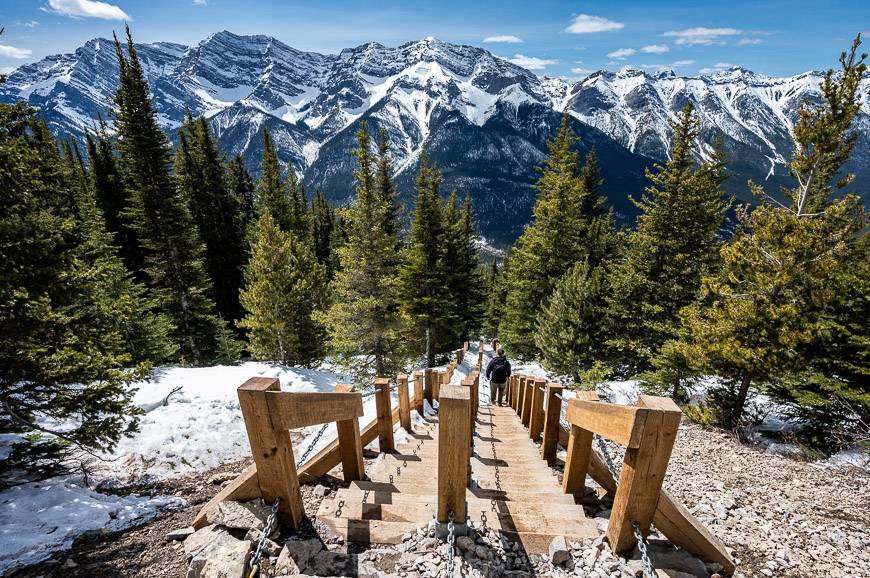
[(559, 553), (285, 564), (669, 573), (179, 533), (321, 491), (326, 563), (302, 551), (665, 556), (465, 543), (220, 555), (240, 515), (222, 477), (200, 539)]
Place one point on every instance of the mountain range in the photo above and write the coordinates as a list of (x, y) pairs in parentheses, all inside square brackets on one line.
[(485, 121)]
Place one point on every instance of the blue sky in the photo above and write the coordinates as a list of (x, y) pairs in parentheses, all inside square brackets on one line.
[(567, 39)]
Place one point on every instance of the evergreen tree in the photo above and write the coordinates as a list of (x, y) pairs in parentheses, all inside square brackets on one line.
[(553, 243), (776, 302), (216, 210), (284, 286), (299, 218), (63, 356), (159, 213), (569, 332), (495, 290), (466, 284), (424, 295), (241, 186), (386, 189), (675, 243), (270, 190), (112, 197), (322, 226), (362, 322)]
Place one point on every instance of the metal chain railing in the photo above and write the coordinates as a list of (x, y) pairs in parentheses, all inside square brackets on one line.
[(310, 447), (648, 568), (268, 528), (451, 539)]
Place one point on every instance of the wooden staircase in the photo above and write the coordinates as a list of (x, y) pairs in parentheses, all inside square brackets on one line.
[(513, 489)]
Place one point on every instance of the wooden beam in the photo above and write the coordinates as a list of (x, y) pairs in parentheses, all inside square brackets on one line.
[(385, 424), (469, 383), (404, 402), (453, 452), (272, 450), (641, 477), (550, 436), (536, 416), (528, 397), (418, 392), (297, 410), (577, 461), (429, 384), (622, 424)]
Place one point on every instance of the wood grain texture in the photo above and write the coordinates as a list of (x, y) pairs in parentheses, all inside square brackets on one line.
[(619, 423), (552, 414), (404, 402), (385, 423), (453, 452), (536, 414), (297, 410)]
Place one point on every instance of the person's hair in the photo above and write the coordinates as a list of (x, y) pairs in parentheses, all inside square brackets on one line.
[(500, 351)]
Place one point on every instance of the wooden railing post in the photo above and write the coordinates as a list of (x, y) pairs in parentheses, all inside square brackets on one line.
[(536, 414), (385, 415), (404, 402), (550, 438), (349, 444), (418, 392), (514, 380), (440, 379), (643, 471), (453, 457), (469, 383), (272, 450), (579, 453), (521, 395), (528, 394), (429, 384), (507, 390)]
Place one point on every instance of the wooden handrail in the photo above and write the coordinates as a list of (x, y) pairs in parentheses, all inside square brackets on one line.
[(385, 423), (453, 452), (404, 402), (552, 415)]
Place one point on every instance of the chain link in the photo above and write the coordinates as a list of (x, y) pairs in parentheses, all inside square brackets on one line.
[(254, 563), (648, 568), (313, 443), (451, 539)]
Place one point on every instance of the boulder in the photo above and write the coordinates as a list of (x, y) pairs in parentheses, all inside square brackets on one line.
[(219, 555), (180, 533), (285, 564), (240, 515), (303, 551), (559, 552)]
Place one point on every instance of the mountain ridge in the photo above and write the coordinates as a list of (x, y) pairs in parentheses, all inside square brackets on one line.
[(484, 119)]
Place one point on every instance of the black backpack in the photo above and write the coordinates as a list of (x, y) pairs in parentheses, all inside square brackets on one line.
[(499, 370)]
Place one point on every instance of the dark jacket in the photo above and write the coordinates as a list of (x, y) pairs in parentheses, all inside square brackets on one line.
[(499, 369)]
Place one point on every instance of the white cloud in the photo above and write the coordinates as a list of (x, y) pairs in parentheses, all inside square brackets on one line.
[(586, 24), (508, 38), (746, 41), (28, 24), (701, 35), (718, 67), (13, 52), (655, 49), (200, 2), (582, 71), (672, 66), (621, 54), (532, 62), (86, 9)]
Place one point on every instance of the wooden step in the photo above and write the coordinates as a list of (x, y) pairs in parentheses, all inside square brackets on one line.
[(369, 531), (383, 492)]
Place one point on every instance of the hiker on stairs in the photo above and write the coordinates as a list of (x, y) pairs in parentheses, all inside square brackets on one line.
[(497, 372)]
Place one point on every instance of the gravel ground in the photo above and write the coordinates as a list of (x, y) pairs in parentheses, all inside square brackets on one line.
[(782, 518)]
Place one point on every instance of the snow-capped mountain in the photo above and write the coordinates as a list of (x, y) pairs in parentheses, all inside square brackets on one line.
[(484, 120)]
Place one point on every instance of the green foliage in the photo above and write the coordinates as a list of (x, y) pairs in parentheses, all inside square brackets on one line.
[(284, 286), (570, 328), (674, 245), (495, 291), (63, 352), (362, 321), (270, 189), (780, 299), (159, 213), (242, 187), (425, 298), (323, 233), (559, 237), (217, 211)]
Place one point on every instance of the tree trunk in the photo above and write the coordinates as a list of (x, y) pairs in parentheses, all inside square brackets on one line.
[(740, 402)]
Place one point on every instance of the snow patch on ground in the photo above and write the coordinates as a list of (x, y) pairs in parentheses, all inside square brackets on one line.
[(40, 518)]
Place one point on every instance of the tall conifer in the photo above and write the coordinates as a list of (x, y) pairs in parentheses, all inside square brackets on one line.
[(270, 188)]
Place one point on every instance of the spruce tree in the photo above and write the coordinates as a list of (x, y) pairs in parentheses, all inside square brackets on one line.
[(495, 291), (216, 210), (300, 223), (465, 281), (424, 295), (550, 245), (240, 185), (322, 226), (63, 356), (386, 188), (778, 299), (270, 190), (159, 213), (362, 322), (284, 287), (674, 245), (569, 332)]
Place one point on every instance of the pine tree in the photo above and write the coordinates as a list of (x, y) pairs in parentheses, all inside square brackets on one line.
[(466, 283), (270, 190), (675, 243), (284, 286), (569, 332), (112, 196), (424, 296), (240, 185), (300, 223), (216, 210), (386, 188), (362, 322), (552, 244), (160, 215), (770, 310), (322, 226), (495, 290), (63, 356)]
